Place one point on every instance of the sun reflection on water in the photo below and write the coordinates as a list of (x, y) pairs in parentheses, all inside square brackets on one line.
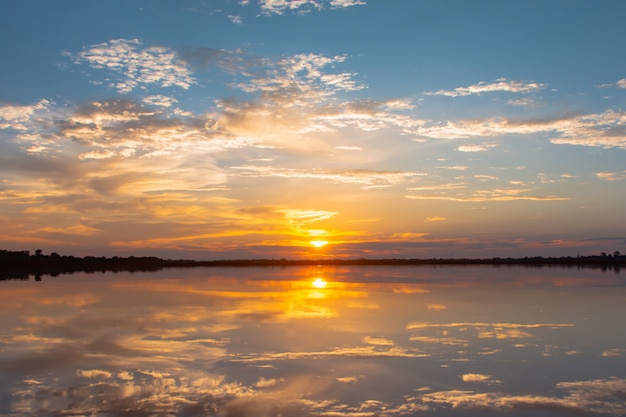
[(319, 283)]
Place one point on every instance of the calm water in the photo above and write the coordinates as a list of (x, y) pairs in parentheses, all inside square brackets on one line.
[(316, 341)]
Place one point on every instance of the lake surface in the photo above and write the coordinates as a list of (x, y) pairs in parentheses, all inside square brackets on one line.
[(316, 341)]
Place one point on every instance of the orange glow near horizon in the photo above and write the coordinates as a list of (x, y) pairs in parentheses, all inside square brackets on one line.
[(319, 243)]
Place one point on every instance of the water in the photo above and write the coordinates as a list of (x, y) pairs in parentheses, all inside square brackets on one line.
[(316, 341)]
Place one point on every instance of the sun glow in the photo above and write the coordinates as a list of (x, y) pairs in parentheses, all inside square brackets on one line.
[(319, 243), (319, 283)]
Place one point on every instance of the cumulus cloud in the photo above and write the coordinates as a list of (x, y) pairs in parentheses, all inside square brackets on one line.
[(501, 84), (18, 116), (302, 76), (137, 66)]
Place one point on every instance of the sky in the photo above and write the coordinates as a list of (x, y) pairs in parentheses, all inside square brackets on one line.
[(313, 128)]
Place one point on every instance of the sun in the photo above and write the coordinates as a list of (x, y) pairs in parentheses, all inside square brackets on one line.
[(319, 283), (319, 243)]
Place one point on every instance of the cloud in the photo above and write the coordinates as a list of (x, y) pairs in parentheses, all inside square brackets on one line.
[(611, 176), (238, 20), (270, 7), (369, 351), (602, 396), (485, 195), (160, 100), (137, 66), (301, 76), (377, 341), (483, 147), (525, 102), (94, 374), (480, 378), (20, 117), (612, 353), (365, 178), (606, 130), (266, 383), (498, 331), (501, 84), (435, 219)]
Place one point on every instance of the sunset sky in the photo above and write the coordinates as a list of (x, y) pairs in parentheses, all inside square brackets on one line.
[(264, 128)]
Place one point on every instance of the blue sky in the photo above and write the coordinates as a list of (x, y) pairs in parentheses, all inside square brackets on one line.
[(214, 129)]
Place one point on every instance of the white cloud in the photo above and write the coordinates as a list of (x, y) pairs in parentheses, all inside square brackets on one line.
[(160, 100), (136, 65), (18, 117), (280, 6), (483, 147), (501, 84), (606, 130), (346, 3), (526, 101), (236, 19), (300, 76)]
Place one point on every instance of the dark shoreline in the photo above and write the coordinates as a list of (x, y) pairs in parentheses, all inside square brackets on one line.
[(22, 264)]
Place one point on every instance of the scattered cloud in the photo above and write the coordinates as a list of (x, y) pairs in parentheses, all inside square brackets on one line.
[(612, 353), (524, 102), (480, 378), (238, 20), (365, 178), (94, 374), (369, 351), (456, 333), (20, 117), (583, 397), (160, 100), (485, 195), (137, 66), (611, 176), (483, 147), (604, 130), (377, 341), (501, 84), (303, 6), (435, 219)]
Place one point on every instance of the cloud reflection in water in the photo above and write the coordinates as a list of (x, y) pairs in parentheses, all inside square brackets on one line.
[(266, 342)]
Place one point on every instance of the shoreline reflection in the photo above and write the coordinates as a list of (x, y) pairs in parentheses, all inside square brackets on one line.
[(313, 341)]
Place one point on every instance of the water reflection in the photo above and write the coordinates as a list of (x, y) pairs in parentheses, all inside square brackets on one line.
[(315, 341)]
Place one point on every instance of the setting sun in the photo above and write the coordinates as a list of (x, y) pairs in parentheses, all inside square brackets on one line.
[(319, 283), (319, 243)]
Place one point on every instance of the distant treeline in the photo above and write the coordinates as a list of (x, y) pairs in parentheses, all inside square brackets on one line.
[(22, 264)]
